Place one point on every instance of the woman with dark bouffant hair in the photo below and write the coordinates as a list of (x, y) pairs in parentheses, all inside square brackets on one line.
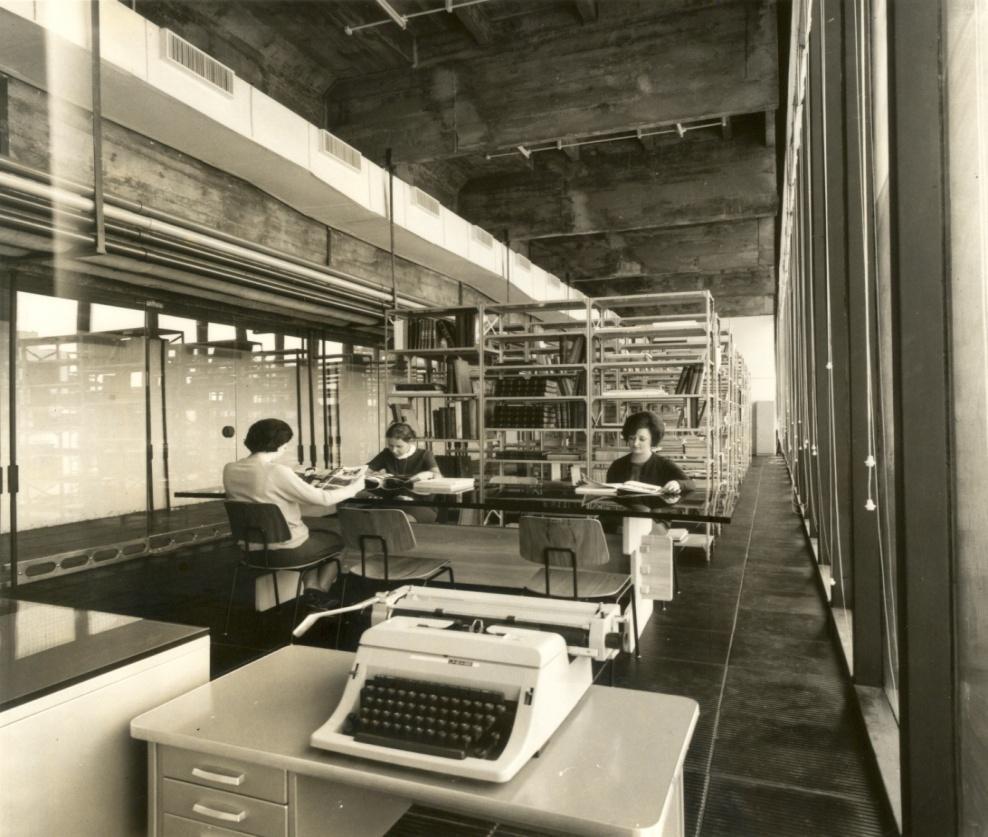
[(401, 457), (258, 478), (643, 432)]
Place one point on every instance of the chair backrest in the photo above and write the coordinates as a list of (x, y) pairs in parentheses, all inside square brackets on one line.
[(387, 526), (256, 522), (583, 535)]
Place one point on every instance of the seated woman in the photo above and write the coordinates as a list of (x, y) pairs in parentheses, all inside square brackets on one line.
[(402, 458), (643, 431), (258, 478)]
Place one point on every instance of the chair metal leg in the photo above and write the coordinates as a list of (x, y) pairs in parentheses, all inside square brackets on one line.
[(229, 604), (298, 595), (634, 621), (342, 616)]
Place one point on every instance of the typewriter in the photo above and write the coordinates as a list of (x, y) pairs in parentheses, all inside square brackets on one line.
[(465, 683)]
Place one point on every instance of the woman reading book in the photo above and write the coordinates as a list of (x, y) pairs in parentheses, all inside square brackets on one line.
[(260, 478), (401, 464), (643, 432)]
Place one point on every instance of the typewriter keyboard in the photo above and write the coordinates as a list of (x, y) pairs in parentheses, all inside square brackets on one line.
[(433, 718)]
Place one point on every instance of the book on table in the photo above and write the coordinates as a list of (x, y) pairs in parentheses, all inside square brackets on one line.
[(341, 477)]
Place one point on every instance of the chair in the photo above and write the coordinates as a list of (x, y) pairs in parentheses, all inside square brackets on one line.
[(390, 531), (264, 524), (561, 545)]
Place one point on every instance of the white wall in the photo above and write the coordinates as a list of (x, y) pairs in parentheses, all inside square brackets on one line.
[(755, 339)]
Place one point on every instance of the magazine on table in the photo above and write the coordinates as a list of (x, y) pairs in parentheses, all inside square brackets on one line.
[(341, 477)]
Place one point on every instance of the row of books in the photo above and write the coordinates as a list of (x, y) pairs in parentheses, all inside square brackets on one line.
[(570, 415), (456, 421), (454, 331)]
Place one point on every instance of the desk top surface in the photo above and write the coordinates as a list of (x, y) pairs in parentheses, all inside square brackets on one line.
[(607, 770), (552, 498), (45, 648)]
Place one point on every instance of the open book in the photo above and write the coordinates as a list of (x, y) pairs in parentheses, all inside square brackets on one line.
[(342, 477), (622, 489), (387, 481)]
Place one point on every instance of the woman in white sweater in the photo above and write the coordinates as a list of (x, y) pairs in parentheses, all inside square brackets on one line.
[(258, 478)]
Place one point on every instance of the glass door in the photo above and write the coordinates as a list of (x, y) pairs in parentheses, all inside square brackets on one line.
[(80, 428)]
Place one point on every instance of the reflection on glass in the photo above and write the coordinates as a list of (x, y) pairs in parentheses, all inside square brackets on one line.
[(80, 420)]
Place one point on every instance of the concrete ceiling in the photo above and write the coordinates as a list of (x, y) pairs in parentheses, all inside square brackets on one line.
[(648, 126)]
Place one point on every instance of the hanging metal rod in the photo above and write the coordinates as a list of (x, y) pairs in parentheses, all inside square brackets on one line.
[(402, 20), (557, 145)]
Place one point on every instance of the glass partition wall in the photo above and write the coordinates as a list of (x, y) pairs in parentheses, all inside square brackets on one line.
[(121, 404)]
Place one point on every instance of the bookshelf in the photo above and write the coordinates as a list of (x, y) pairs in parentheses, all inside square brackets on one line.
[(524, 392), (433, 368), (665, 362), (534, 393)]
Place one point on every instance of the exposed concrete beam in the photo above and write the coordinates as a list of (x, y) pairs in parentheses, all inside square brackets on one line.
[(475, 21), (604, 78), (725, 305), (587, 10), (686, 183), (758, 281), (738, 247)]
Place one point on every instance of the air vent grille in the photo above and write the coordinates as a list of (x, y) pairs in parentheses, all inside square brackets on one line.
[(181, 52), (522, 263), (335, 147), (482, 237), (425, 202)]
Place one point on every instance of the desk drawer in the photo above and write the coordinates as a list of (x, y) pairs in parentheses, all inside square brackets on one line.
[(173, 826), (229, 810), (227, 774)]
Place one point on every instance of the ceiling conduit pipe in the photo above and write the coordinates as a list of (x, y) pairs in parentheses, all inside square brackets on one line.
[(119, 264), (143, 209), (289, 283), (43, 223), (38, 187)]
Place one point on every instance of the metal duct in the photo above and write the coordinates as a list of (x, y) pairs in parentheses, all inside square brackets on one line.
[(211, 245)]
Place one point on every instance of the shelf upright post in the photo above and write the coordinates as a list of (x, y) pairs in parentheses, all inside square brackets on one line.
[(481, 341), (588, 389)]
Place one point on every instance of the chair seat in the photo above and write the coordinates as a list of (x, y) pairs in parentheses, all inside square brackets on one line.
[(590, 585), (400, 568)]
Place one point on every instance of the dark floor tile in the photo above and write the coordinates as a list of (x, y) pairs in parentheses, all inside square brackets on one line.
[(784, 695), (793, 753), (772, 579), (709, 611), (803, 625), (224, 658), (796, 604), (756, 650), (746, 809), (676, 642)]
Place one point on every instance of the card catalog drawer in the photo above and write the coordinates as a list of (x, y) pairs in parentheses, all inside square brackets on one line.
[(228, 810), (225, 774), (173, 826)]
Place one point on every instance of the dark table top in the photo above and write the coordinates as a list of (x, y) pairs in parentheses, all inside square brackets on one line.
[(561, 498), (45, 648), (697, 506)]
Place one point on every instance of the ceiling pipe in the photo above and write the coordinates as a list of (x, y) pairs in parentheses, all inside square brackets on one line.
[(210, 243), (143, 209), (446, 7), (527, 150)]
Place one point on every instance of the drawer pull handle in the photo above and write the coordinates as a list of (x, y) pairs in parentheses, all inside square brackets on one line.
[(226, 816), (221, 778)]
